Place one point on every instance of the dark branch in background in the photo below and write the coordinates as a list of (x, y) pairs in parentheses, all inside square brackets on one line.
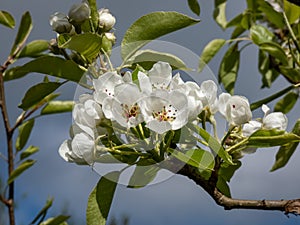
[(286, 206), (9, 202)]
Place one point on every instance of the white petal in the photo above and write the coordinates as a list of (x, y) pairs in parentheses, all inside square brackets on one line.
[(250, 127), (127, 77), (144, 83), (83, 147), (160, 74), (159, 127), (107, 107), (64, 150), (127, 93), (209, 92), (275, 120), (238, 110), (223, 99), (265, 109)]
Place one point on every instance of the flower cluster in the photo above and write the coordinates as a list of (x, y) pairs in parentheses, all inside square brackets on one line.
[(154, 100)]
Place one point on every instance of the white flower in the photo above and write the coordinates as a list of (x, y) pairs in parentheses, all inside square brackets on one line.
[(159, 77), (86, 113), (208, 95), (80, 149), (106, 20), (105, 84), (164, 110), (236, 109), (275, 120), (124, 107)]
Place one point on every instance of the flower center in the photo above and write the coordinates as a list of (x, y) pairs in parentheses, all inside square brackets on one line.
[(168, 113), (108, 92), (130, 111)]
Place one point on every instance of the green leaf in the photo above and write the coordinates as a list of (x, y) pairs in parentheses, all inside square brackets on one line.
[(142, 175), (209, 51), (285, 152), (271, 138), (260, 34), (238, 30), (51, 65), (292, 11), (227, 171), (229, 68), (94, 13), (34, 49), (37, 93), (58, 220), (273, 16), (43, 212), (285, 104), (100, 199), (274, 50), (146, 58), (214, 144), (157, 24), (223, 187), (57, 107), (7, 19), (194, 6), (259, 103), (28, 152), (24, 133), (198, 158), (220, 13), (236, 21), (266, 69), (292, 74), (20, 169), (23, 33), (87, 44)]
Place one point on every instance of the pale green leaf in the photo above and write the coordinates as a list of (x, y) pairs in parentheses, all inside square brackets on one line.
[(142, 175), (209, 51), (220, 13), (42, 213), (58, 220), (57, 107), (229, 68), (28, 152), (51, 65), (292, 74), (20, 169), (292, 11), (7, 19), (260, 34), (274, 50), (271, 138), (194, 6), (198, 158), (24, 132), (285, 104), (150, 27), (272, 15), (23, 33), (100, 199), (94, 13), (37, 93), (34, 48), (146, 58), (285, 152), (266, 69), (223, 187), (87, 44)]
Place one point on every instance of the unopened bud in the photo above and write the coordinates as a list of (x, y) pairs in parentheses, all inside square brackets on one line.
[(60, 23), (106, 20), (78, 13)]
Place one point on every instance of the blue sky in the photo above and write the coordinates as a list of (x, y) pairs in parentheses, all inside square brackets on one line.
[(176, 201)]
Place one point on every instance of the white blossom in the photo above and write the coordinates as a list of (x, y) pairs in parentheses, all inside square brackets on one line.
[(106, 19), (275, 120), (236, 109), (164, 110), (208, 95)]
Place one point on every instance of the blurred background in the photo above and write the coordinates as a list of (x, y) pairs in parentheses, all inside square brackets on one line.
[(176, 201)]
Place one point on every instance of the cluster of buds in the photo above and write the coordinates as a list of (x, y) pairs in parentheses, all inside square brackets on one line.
[(77, 15)]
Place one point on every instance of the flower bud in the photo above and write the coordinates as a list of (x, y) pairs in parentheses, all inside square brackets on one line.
[(60, 23), (108, 41), (78, 13), (106, 19), (238, 110), (275, 120)]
